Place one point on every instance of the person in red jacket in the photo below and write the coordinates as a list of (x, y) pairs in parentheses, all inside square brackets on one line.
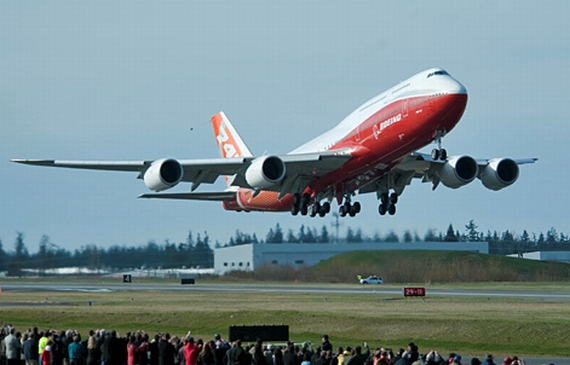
[(132, 349), (191, 352), (46, 353)]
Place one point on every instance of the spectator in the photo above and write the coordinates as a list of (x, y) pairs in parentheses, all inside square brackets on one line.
[(455, 360), (28, 349), (191, 352), (93, 351), (143, 350), (236, 355), (111, 353), (258, 355), (165, 351), (206, 356), (488, 360), (132, 349), (13, 347), (278, 356), (326, 345), (153, 350), (58, 350), (46, 354), (76, 351), (290, 357), (42, 344), (359, 358)]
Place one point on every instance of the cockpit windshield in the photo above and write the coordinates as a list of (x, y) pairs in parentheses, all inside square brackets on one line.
[(439, 72)]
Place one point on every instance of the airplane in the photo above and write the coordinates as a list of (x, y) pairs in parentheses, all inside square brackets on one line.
[(372, 150)]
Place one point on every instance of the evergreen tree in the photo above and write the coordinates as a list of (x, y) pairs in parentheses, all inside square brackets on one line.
[(408, 236), (278, 235), (269, 238), (430, 236), (3, 258), (324, 237), (450, 235), (392, 237), (349, 235), (291, 238), (472, 234), (551, 237)]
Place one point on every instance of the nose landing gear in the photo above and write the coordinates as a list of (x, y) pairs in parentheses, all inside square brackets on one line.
[(439, 153)]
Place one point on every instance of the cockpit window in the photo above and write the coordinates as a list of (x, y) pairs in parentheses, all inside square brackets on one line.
[(440, 72)]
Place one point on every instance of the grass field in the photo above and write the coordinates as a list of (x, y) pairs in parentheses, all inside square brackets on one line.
[(467, 326)]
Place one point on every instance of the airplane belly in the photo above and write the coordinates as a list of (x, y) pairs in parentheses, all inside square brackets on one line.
[(264, 201)]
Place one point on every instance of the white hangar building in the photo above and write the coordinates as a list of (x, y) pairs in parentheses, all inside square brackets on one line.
[(247, 257)]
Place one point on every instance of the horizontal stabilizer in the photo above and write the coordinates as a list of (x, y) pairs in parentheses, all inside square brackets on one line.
[(209, 196)]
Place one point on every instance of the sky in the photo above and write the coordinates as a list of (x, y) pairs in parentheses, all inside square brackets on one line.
[(132, 80)]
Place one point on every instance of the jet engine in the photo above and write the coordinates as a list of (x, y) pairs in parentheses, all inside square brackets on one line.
[(500, 173), (265, 171), (163, 174), (458, 171)]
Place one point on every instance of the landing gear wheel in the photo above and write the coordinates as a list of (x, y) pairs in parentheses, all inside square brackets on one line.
[(326, 207), (342, 211), (382, 209), (393, 198), (296, 199), (312, 211), (443, 154), (356, 207), (384, 199), (392, 209), (304, 209), (435, 154), (294, 210)]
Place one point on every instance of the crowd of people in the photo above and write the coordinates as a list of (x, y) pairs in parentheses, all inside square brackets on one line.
[(100, 347)]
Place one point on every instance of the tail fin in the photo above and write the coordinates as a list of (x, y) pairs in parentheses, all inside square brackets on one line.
[(228, 140)]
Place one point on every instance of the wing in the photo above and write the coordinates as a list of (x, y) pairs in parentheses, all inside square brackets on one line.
[(454, 172), (208, 196), (299, 169)]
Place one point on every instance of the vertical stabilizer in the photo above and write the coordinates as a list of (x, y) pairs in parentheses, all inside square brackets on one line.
[(228, 140)]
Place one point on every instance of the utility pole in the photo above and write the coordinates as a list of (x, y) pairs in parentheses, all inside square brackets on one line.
[(336, 224)]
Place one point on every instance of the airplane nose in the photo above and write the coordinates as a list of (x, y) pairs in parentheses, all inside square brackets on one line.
[(455, 87)]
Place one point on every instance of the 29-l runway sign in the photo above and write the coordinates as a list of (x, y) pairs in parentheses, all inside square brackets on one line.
[(414, 292)]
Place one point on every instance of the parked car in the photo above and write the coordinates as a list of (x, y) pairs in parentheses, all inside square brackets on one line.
[(372, 280)]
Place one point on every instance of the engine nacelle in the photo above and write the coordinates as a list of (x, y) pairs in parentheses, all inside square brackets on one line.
[(163, 174), (500, 173), (458, 171), (265, 171)]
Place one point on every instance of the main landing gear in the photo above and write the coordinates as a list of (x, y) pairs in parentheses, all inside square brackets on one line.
[(388, 204), (301, 204), (349, 209), (439, 153)]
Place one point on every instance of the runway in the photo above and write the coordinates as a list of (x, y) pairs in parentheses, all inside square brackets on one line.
[(526, 293)]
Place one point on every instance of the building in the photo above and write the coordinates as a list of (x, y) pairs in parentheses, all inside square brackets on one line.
[(558, 256), (248, 257)]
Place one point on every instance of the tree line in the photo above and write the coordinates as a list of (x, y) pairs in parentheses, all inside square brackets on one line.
[(198, 253)]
